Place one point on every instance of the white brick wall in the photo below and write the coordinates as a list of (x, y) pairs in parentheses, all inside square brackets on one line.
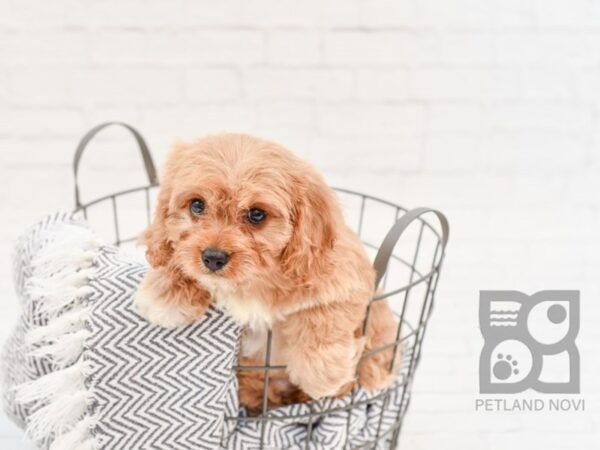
[(487, 110)]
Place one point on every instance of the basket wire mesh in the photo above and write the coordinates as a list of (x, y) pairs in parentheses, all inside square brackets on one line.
[(398, 261)]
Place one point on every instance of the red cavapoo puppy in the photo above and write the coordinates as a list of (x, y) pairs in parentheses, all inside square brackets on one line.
[(244, 224)]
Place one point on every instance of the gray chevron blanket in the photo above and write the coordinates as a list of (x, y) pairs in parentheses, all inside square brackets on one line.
[(83, 371)]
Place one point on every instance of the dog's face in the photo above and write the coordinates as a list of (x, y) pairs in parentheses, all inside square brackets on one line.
[(236, 210)]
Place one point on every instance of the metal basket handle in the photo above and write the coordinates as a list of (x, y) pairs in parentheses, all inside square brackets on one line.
[(146, 156), (393, 236)]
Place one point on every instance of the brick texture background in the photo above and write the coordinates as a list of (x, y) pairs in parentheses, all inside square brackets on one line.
[(485, 109)]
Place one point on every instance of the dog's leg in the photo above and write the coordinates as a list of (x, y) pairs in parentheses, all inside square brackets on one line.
[(321, 349), (168, 299), (375, 371)]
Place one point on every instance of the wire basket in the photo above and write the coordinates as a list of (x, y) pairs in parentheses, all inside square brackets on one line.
[(407, 275)]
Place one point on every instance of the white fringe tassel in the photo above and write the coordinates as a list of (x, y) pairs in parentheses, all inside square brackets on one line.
[(52, 385), (65, 350), (73, 443), (76, 439), (71, 321), (58, 416), (59, 286)]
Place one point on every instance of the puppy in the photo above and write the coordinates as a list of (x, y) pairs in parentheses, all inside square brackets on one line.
[(244, 224)]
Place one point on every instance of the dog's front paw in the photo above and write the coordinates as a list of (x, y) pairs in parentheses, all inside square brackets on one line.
[(168, 304), (158, 311)]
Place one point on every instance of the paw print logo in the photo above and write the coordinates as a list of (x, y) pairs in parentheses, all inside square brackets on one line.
[(510, 363), (529, 342), (505, 367)]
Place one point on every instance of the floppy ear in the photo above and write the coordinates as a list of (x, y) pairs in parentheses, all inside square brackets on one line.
[(316, 217), (156, 238), (159, 248)]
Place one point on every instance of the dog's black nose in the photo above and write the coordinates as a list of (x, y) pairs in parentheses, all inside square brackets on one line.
[(214, 259)]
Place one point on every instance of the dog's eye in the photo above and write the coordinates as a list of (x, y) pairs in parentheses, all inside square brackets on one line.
[(196, 207), (256, 216)]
